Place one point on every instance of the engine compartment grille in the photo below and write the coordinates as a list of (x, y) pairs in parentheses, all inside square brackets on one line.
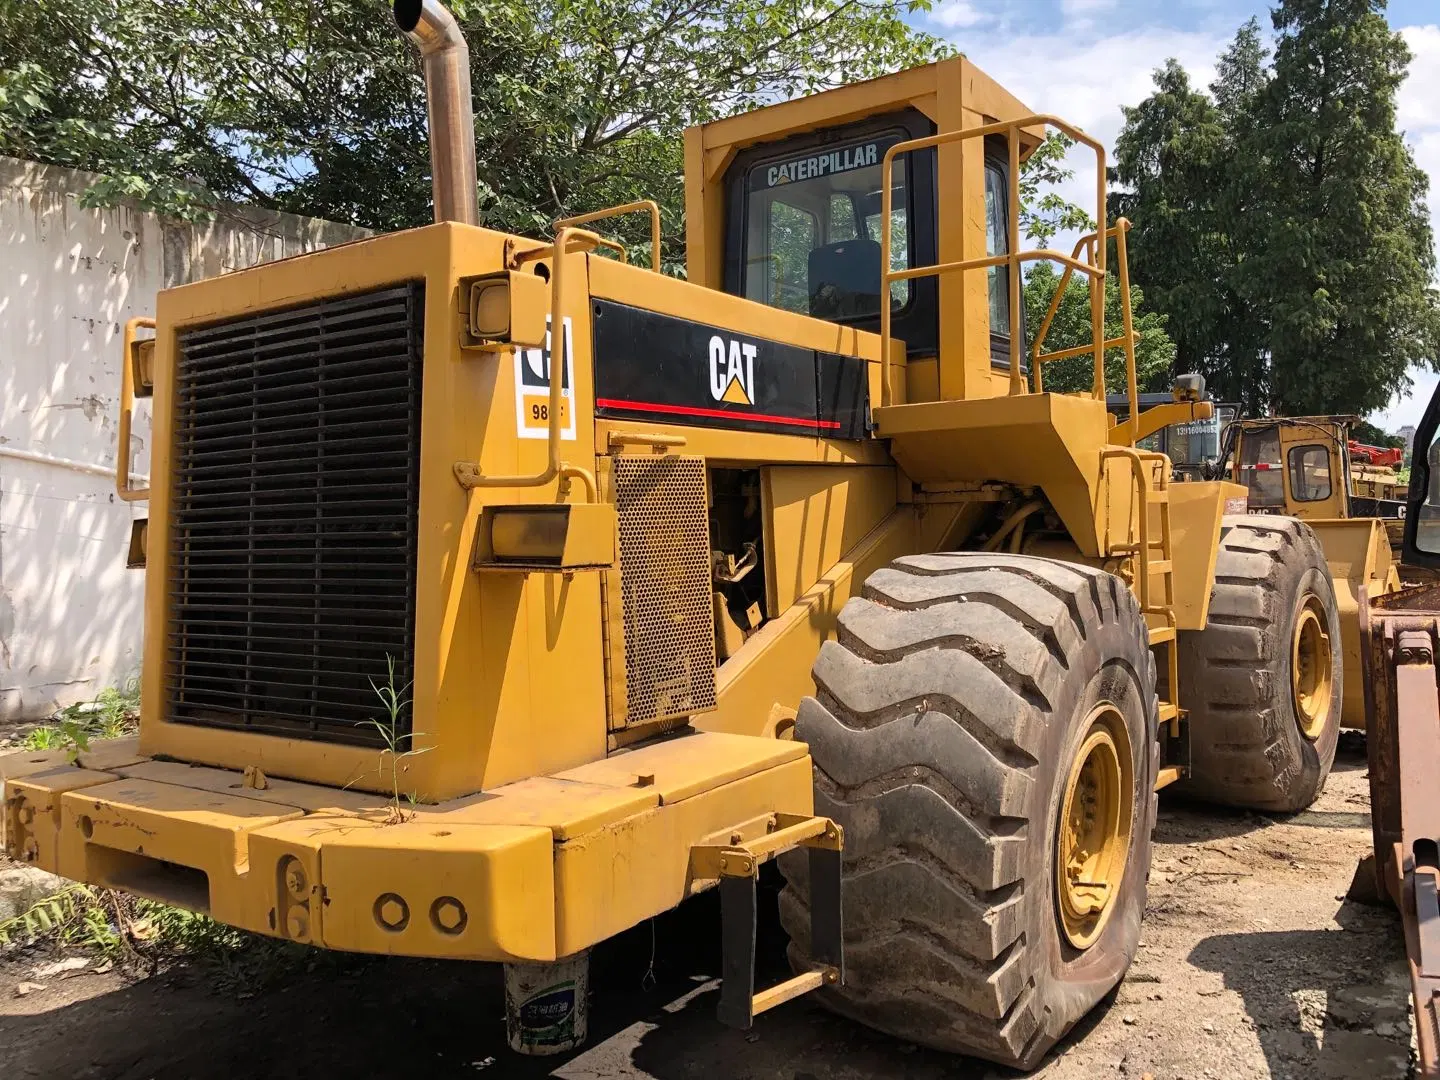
[(294, 518)]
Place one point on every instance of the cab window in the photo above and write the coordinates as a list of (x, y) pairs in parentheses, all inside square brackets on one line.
[(997, 242), (1309, 473), (812, 239), (1261, 469)]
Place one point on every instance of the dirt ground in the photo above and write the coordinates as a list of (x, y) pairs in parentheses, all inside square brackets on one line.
[(1252, 965)]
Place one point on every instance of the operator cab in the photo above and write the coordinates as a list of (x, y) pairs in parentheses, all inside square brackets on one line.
[(783, 207), (803, 228)]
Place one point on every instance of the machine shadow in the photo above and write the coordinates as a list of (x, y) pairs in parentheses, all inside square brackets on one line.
[(1342, 999), (652, 1012)]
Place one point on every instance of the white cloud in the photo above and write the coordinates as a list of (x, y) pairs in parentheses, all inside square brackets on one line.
[(1086, 82), (1081, 14), (1083, 75), (960, 15)]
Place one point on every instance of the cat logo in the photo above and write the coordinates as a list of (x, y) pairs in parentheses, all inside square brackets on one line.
[(732, 371)]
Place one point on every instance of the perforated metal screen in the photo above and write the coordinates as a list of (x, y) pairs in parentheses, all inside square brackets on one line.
[(665, 583)]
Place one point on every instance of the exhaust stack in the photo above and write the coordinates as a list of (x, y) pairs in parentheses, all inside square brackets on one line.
[(434, 31)]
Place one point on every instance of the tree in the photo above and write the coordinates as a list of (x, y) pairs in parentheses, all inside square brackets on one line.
[(317, 106), (1280, 221)]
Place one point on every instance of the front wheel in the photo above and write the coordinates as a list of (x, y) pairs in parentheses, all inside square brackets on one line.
[(984, 729)]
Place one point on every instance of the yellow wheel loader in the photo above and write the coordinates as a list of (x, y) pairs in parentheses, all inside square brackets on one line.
[(501, 594)]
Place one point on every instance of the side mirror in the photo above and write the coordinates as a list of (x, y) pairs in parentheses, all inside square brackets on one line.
[(1422, 504)]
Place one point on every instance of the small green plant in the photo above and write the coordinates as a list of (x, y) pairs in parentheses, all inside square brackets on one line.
[(394, 740), (46, 916), (113, 714)]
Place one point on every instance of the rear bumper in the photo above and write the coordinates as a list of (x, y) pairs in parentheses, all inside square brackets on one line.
[(530, 871)]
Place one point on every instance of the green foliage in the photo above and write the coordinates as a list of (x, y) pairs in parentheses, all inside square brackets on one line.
[(317, 106), (1280, 220), (1043, 210), (1154, 352), (1365, 432), (116, 712), (48, 917), (138, 932)]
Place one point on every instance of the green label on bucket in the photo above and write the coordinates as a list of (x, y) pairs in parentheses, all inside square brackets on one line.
[(548, 1018)]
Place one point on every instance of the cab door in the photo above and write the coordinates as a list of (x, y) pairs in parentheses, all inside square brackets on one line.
[(1259, 466), (1314, 470)]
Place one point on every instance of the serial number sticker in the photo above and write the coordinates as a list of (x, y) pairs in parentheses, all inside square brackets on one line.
[(532, 389)]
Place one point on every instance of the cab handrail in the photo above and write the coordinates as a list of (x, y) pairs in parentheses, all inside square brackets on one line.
[(1013, 258), (649, 206)]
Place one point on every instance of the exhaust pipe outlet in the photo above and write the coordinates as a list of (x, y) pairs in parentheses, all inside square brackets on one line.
[(434, 31)]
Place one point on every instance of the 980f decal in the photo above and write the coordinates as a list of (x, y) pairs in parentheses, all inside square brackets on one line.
[(657, 367), (532, 388)]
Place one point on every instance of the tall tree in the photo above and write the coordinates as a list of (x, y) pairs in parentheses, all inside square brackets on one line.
[(1170, 158), (317, 106), (1281, 220), (1348, 254)]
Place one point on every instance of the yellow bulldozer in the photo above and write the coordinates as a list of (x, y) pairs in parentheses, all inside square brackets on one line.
[(502, 594)]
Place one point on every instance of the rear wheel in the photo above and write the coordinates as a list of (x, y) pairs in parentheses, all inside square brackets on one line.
[(1262, 681), (984, 730)]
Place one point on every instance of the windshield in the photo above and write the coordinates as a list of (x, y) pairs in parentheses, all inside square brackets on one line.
[(1195, 441), (812, 234)]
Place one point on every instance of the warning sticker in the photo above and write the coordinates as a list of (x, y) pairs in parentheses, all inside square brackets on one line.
[(532, 390)]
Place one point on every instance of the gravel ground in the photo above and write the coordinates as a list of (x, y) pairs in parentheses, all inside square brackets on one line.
[(1253, 965)]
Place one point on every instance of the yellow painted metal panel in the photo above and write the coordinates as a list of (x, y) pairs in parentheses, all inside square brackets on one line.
[(159, 823), (1195, 512), (914, 87), (615, 877), (566, 807), (308, 797), (1357, 550), (1051, 441), (817, 514), (30, 820), (508, 672), (17, 764), (684, 766), (719, 446), (502, 875)]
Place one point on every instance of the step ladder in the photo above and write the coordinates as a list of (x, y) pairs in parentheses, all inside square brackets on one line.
[(735, 866), (1154, 558)]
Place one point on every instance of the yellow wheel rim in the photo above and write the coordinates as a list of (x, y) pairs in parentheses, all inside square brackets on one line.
[(1095, 821), (1310, 672)]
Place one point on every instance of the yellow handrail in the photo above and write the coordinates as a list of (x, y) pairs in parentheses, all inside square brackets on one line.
[(468, 473), (1127, 340), (649, 205), (127, 410), (1094, 268)]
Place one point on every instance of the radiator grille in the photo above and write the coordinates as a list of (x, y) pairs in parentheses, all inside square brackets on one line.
[(665, 586), (296, 477)]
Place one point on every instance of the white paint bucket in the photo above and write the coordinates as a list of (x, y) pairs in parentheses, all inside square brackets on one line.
[(547, 1006)]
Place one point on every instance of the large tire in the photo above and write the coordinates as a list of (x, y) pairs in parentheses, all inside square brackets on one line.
[(948, 714), (1247, 746)]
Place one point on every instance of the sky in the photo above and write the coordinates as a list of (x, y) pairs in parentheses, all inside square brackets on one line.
[(1083, 59)]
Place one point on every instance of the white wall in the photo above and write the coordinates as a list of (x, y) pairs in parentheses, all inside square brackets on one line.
[(70, 613)]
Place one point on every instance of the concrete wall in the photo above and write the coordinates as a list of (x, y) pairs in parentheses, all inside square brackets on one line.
[(70, 613)]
